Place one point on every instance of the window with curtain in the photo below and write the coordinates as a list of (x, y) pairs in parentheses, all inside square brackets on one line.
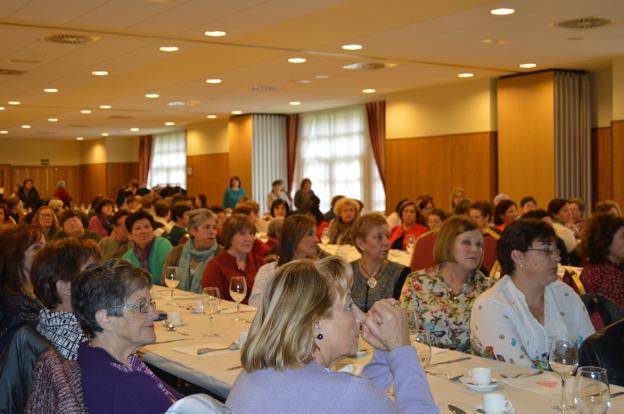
[(168, 161), (334, 151)]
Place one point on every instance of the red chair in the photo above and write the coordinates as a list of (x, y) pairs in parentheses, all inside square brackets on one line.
[(490, 240), (422, 257)]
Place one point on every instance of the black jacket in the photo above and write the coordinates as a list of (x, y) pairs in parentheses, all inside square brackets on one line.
[(604, 349)]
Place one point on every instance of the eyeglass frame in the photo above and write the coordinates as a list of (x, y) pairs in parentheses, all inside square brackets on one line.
[(149, 304), (548, 251)]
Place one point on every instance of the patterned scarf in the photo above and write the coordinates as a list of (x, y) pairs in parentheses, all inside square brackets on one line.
[(63, 330), (142, 255), (187, 280), (105, 223)]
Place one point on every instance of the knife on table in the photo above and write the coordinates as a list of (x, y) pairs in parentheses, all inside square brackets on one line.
[(455, 409)]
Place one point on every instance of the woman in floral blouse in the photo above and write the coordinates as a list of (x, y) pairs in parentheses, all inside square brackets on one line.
[(443, 295)]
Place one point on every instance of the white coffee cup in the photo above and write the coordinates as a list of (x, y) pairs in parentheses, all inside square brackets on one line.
[(494, 403), (174, 318), (198, 306), (480, 376)]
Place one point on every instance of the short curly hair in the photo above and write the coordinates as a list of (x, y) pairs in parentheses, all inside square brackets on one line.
[(105, 287), (599, 233), (520, 235)]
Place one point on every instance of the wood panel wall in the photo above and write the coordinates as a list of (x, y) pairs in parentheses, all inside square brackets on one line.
[(240, 142), (617, 161), (436, 165), (210, 176), (602, 164), (93, 181), (45, 178), (118, 174)]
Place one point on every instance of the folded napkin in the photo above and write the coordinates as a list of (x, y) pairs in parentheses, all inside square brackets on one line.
[(547, 383), (192, 349)]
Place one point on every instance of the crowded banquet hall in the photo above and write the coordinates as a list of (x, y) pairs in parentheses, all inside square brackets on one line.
[(331, 206)]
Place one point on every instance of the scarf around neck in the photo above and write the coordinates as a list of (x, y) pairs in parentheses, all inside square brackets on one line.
[(187, 281), (142, 255)]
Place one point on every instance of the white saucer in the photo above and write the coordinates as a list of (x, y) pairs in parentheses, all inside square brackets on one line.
[(480, 407), (480, 388)]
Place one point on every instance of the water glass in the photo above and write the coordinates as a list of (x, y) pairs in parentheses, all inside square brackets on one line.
[(591, 390), (238, 291), (410, 244), (172, 280), (211, 299), (563, 359), (325, 236)]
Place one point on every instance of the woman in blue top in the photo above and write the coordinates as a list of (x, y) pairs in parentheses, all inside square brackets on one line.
[(233, 193)]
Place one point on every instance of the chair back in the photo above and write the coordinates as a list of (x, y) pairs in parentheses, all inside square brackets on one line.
[(422, 257), (489, 249), (602, 310), (574, 281), (198, 403), (604, 349)]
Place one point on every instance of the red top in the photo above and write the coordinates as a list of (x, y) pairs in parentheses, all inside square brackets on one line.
[(320, 227), (220, 270), (260, 249), (605, 278), (416, 230)]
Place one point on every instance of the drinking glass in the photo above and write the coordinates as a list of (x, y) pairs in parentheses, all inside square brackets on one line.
[(419, 338), (238, 291), (563, 360), (211, 300), (325, 236), (172, 279), (591, 390), (410, 243)]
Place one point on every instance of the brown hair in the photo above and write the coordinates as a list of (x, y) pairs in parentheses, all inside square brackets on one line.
[(234, 224), (599, 232), (294, 229), (452, 227), (14, 242)]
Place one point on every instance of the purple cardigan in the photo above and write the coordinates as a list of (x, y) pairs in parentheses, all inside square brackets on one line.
[(315, 389), (111, 388)]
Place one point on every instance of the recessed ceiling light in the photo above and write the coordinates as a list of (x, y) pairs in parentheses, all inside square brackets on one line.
[(497, 42), (52, 119), (3, 132), (237, 112), (85, 111), (297, 60), (465, 75), (105, 107), (152, 95), (134, 129), (104, 134), (100, 72), (294, 103), (215, 33), (14, 102), (304, 81), (25, 126), (169, 123), (369, 90), (79, 138), (213, 80), (1, 108), (502, 12), (176, 103), (50, 90), (352, 46), (211, 116), (322, 76), (169, 48), (527, 65)]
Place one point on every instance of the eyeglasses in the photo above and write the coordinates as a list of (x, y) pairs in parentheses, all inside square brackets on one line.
[(144, 306), (548, 251)]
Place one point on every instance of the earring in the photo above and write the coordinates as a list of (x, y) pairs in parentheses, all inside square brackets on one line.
[(521, 266), (319, 336)]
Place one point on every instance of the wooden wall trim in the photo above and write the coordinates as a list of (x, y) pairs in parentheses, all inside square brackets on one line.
[(442, 136), (617, 161), (602, 164), (210, 176)]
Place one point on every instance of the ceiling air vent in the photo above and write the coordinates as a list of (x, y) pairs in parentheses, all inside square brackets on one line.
[(78, 126), (119, 117), (71, 39), (365, 66), (11, 72), (263, 88), (584, 23)]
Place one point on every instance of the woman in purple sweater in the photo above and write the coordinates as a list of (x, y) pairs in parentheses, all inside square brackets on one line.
[(307, 321)]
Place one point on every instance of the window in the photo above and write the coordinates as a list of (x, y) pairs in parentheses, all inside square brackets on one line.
[(334, 151), (168, 161)]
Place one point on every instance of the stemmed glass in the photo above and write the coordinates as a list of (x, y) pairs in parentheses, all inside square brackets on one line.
[(325, 236), (591, 390), (419, 338), (172, 280), (410, 243), (238, 291), (211, 300), (563, 360)]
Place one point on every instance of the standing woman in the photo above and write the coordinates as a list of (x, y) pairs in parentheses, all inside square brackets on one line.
[(304, 194), (505, 213), (443, 295), (374, 277), (408, 226), (346, 211), (233, 193), (192, 257), (298, 241), (100, 222), (45, 218)]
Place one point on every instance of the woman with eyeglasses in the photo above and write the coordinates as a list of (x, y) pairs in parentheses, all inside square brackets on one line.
[(513, 321), (113, 304)]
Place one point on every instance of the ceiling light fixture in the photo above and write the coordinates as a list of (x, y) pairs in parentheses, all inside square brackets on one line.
[(79, 138), (237, 112), (211, 116), (497, 42), (169, 48), (85, 111), (50, 90), (25, 126), (152, 95), (527, 65), (4, 132), (294, 103), (14, 102), (502, 11), (322, 76), (104, 134), (1, 108), (214, 81), (100, 72), (296, 60), (52, 119), (465, 75), (215, 33), (369, 90), (352, 46), (105, 107), (169, 123), (134, 129)]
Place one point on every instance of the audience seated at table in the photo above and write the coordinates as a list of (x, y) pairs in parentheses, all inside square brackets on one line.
[(100, 222), (274, 231), (457, 195), (424, 205), (505, 213), (527, 204), (346, 211), (603, 246), (117, 243), (514, 320), (146, 251), (45, 218), (298, 241), (559, 210), (408, 227), (608, 206), (312, 210), (237, 260), (394, 219), (71, 222), (436, 218), (307, 321), (192, 257), (565, 258), (54, 270), (113, 304), (180, 218), (442, 296), (374, 277)]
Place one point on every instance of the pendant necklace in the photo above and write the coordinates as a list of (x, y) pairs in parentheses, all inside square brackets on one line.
[(372, 279)]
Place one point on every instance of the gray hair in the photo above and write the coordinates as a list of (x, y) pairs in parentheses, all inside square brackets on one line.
[(60, 184), (275, 227), (198, 216)]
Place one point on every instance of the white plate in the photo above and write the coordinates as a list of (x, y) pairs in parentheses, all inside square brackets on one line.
[(480, 407), (481, 388)]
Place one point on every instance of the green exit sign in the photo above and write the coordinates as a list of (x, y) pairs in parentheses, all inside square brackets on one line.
[(45, 162)]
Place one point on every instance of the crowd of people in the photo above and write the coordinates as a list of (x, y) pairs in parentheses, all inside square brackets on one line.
[(82, 279)]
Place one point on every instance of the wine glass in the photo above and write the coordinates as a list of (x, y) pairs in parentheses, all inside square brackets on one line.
[(591, 390), (238, 291), (172, 280), (211, 299), (419, 338), (410, 243), (325, 236), (563, 360)]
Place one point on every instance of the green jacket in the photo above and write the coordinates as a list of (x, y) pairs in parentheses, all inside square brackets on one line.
[(156, 259)]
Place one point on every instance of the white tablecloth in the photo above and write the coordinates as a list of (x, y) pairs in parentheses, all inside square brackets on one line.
[(350, 253)]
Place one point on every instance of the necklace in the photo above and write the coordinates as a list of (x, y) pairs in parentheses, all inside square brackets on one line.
[(371, 279)]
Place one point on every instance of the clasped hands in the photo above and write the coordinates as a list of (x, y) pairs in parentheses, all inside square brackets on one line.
[(386, 326)]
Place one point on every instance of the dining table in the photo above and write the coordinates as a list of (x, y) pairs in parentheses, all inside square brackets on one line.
[(351, 254), (175, 351)]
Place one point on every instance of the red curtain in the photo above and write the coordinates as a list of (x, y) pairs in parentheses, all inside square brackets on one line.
[(145, 156), (292, 133), (376, 114)]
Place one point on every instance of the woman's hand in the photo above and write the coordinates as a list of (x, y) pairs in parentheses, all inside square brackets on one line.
[(386, 325)]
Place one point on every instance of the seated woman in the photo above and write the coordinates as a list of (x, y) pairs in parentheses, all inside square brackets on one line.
[(513, 321), (274, 232), (346, 211), (18, 247), (436, 218), (605, 206), (306, 322), (72, 226), (100, 222), (192, 257), (54, 270), (424, 205), (113, 304), (505, 213), (311, 209), (45, 218), (374, 277), (298, 241), (603, 246), (444, 295), (280, 208), (116, 244), (409, 226), (559, 210), (237, 260), (146, 251)]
